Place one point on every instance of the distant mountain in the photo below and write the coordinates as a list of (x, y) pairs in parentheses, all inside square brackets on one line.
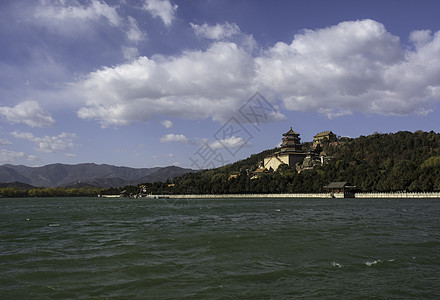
[(56, 175), (162, 174), (16, 185)]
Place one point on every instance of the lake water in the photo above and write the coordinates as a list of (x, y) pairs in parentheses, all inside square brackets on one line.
[(96, 248)]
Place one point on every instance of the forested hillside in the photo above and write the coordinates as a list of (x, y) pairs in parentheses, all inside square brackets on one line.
[(389, 162), (401, 161)]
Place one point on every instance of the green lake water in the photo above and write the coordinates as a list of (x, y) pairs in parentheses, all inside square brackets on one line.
[(93, 248)]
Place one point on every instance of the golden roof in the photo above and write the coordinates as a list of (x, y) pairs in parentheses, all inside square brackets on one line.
[(291, 132), (324, 133)]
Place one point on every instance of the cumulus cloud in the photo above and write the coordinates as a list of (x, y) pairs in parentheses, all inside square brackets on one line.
[(226, 31), (355, 66), (171, 137), (227, 143), (58, 11), (10, 156), (167, 123), (162, 9), (216, 32), (195, 85), (420, 37), (48, 144), (28, 112), (130, 53), (134, 34), (5, 142), (231, 142), (73, 18)]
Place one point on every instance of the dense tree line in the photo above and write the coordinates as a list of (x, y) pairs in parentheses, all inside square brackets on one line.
[(288, 181), (13, 192), (402, 161)]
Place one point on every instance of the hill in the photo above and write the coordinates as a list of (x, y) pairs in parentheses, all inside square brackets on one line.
[(389, 162), (88, 174), (402, 161), (16, 185)]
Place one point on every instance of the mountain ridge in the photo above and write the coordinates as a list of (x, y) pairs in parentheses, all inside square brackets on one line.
[(100, 175)]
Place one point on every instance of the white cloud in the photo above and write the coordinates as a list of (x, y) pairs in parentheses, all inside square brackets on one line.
[(48, 144), (58, 11), (95, 10), (162, 9), (231, 142), (134, 34), (76, 19), (10, 156), (330, 68), (216, 32), (32, 158), (333, 113), (4, 142), (420, 37), (226, 32), (186, 86), (167, 123), (352, 66), (28, 112), (130, 53), (171, 137)]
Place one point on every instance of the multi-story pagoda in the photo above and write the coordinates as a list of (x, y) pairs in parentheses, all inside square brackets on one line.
[(290, 153), (291, 141)]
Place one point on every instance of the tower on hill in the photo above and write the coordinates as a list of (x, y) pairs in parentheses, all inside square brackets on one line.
[(291, 141), (290, 153)]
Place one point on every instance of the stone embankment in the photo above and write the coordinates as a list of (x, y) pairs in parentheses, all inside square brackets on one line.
[(397, 195), (315, 195)]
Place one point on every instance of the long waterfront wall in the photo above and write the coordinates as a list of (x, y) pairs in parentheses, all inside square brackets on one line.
[(313, 195), (397, 195), (316, 195)]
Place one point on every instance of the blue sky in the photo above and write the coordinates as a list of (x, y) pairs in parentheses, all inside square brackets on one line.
[(202, 83)]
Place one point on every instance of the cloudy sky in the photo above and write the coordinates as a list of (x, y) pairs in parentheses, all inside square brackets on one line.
[(198, 84)]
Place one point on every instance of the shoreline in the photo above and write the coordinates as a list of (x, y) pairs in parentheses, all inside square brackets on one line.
[(412, 195), (391, 195)]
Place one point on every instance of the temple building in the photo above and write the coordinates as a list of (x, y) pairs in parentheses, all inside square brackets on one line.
[(325, 136), (290, 153)]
